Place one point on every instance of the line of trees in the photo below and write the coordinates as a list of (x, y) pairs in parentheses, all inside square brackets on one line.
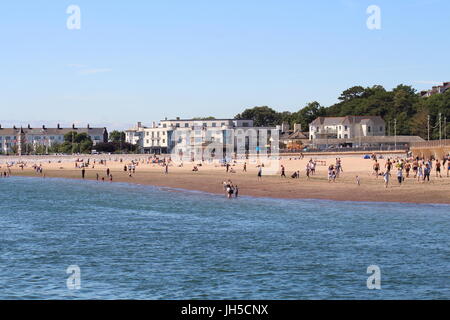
[(402, 104), (116, 144), (81, 143), (73, 143)]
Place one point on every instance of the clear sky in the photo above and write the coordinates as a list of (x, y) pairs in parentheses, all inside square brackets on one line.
[(145, 60)]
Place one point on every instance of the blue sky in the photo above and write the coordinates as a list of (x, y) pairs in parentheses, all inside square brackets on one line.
[(144, 60)]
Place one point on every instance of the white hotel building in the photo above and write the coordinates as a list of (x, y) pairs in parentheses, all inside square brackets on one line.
[(164, 136)]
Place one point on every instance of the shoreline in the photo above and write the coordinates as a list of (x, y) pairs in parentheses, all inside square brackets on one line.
[(272, 187), (176, 189)]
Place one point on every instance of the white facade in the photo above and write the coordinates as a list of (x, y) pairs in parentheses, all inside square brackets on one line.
[(12, 137), (349, 127), (164, 136)]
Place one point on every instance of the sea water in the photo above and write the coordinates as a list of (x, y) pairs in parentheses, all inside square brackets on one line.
[(141, 242)]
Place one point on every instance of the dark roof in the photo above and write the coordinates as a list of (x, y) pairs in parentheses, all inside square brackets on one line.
[(293, 135), (207, 120), (332, 121), (52, 131)]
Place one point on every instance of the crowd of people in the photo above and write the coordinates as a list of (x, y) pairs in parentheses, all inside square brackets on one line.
[(419, 169)]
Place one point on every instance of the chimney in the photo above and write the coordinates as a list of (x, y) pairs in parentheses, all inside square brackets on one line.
[(139, 125), (88, 126), (178, 118), (59, 127), (297, 127), (0, 126), (14, 127), (284, 127), (43, 127), (29, 127), (154, 124), (73, 125)]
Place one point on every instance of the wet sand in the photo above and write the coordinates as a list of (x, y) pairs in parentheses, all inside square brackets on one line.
[(209, 178)]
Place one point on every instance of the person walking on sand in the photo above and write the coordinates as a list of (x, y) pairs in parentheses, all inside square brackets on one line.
[(283, 173), (438, 169), (107, 172), (448, 165), (166, 169), (259, 172), (386, 177), (83, 172), (419, 172), (245, 167), (426, 173), (97, 176), (400, 176), (376, 168)]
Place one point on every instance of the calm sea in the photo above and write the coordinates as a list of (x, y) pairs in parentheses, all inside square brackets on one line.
[(141, 242)]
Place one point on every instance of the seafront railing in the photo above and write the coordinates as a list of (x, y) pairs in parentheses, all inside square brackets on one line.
[(431, 144)]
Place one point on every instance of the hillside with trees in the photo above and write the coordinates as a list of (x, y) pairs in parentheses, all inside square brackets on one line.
[(402, 104)]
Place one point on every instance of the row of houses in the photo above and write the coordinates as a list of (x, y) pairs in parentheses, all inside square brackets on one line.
[(435, 90), (17, 138), (164, 136), (324, 132)]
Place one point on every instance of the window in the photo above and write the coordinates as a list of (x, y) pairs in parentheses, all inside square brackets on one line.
[(186, 125), (157, 134), (345, 128), (148, 141), (205, 124), (245, 124), (214, 124), (381, 128), (177, 125), (153, 134), (164, 133), (164, 125), (368, 129), (222, 124), (164, 140), (147, 133)]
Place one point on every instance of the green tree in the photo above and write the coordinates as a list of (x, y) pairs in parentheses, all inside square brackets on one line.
[(117, 136), (261, 116)]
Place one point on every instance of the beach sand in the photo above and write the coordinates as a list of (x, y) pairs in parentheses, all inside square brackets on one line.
[(209, 178)]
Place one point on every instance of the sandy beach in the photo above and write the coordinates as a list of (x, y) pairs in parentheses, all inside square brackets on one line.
[(209, 178)]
